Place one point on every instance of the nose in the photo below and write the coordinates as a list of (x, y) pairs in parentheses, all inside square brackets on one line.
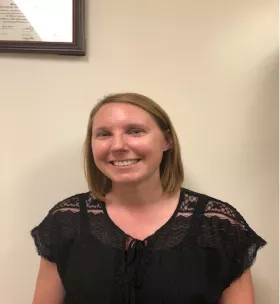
[(118, 143)]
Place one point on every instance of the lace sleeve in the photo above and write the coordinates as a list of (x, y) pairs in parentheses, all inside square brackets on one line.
[(236, 239), (43, 236), (59, 226)]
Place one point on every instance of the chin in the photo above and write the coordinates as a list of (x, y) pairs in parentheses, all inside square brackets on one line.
[(126, 180)]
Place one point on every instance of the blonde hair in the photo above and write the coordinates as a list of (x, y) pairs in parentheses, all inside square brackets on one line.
[(171, 167)]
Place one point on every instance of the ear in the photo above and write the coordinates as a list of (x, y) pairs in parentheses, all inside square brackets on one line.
[(168, 141)]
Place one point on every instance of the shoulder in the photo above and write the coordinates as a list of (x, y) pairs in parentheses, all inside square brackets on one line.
[(61, 223), (222, 227), (211, 206), (74, 203), (68, 206)]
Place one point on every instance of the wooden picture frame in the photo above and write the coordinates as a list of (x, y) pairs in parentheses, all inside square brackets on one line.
[(65, 36)]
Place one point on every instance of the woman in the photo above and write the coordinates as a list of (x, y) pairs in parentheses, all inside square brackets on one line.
[(138, 236)]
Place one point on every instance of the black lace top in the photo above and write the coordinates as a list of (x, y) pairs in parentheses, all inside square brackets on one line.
[(193, 258)]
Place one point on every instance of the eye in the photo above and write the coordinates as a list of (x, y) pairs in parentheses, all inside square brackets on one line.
[(135, 131), (102, 134)]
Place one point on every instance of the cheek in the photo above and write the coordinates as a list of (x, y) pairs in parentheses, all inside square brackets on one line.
[(99, 150), (152, 148), (141, 146)]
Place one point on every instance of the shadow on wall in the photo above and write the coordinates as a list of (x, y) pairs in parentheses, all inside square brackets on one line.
[(262, 146), (262, 115), (263, 118)]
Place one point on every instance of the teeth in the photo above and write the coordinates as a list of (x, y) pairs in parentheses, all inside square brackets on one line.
[(125, 162)]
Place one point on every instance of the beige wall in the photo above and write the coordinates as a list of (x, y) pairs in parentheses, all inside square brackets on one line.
[(213, 65)]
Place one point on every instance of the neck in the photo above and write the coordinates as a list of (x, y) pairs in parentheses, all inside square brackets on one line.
[(139, 195)]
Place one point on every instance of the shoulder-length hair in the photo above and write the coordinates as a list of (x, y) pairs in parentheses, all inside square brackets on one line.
[(171, 167)]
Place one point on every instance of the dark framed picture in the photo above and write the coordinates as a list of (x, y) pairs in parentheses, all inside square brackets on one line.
[(43, 26)]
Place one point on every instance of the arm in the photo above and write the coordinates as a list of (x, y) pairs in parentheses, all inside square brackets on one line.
[(240, 292), (48, 288)]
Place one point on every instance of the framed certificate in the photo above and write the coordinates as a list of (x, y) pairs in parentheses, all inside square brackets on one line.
[(43, 26)]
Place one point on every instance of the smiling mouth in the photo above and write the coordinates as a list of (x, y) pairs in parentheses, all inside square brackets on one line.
[(125, 163)]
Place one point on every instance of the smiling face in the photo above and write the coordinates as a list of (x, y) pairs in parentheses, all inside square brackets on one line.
[(127, 144)]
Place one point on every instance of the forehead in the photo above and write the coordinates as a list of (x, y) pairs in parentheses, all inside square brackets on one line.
[(121, 113)]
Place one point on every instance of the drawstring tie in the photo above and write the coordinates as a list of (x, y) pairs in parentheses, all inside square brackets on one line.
[(134, 268)]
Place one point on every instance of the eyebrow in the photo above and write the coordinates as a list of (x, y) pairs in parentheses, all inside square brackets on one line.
[(128, 126)]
